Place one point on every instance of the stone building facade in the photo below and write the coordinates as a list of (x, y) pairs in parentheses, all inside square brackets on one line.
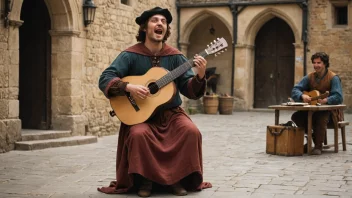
[(270, 44), (77, 55)]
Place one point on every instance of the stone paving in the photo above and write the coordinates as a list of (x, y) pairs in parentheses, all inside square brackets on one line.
[(235, 162)]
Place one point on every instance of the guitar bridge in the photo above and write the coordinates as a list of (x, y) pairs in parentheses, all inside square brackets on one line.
[(132, 101)]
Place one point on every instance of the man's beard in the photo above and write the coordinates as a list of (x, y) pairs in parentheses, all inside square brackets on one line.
[(156, 40)]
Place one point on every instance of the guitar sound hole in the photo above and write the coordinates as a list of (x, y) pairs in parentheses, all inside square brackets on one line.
[(153, 88)]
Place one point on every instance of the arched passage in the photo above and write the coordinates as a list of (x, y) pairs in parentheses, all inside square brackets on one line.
[(274, 63), (35, 66), (202, 34)]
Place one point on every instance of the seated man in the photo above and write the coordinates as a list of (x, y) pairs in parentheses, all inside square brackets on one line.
[(166, 149), (322, 80)]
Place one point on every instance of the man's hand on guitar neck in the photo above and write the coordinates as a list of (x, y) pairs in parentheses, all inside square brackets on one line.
[(323, 101), (200, 64), (138, 91)]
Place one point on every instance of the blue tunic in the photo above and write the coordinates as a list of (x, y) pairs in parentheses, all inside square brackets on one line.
[(335, 95)]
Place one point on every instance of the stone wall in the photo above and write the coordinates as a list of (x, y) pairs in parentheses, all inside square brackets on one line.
[(334, 40), (9, 111), (113, 30)]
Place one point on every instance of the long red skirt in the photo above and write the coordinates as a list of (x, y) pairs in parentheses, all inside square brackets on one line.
[(166, 149)]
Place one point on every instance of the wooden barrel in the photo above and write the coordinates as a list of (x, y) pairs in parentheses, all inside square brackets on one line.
[(210, 104), (226, 105)]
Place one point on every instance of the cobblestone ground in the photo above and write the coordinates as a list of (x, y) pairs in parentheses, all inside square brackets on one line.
[(235, 162)]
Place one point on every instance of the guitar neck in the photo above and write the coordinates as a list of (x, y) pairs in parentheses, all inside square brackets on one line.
[(172, 75), (324, 95)]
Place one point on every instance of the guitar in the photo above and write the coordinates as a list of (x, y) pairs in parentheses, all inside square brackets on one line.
[(162, 89), (315, 95)]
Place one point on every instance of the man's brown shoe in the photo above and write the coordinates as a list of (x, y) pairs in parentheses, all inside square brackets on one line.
[(145, 189), (316, 152), (178, 190)]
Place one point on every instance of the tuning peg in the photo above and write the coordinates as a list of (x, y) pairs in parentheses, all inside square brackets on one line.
[(208, 46), (215, 55), (225, 49), (222, 51), (218, 38), (214, 41)]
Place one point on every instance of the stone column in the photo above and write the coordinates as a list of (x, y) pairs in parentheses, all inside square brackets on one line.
[(244, 75), (191, 106), (184, 48), (299, 62), (67, 93), (10, 124)]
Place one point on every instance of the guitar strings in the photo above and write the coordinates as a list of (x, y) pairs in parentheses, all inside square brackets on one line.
[(178, 71)]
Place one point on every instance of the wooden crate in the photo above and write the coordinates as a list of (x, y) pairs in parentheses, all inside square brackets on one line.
[(284, 140)]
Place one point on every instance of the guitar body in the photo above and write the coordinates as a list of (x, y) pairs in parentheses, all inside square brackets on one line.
[(161, 85), (315, 95), (123, 107)]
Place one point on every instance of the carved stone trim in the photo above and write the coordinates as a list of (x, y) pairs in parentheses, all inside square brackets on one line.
[(297, 45), (184, 43), (15, 23), (244, 46), (64, 33)]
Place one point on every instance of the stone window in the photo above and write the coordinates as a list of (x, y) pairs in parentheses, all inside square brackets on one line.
[(339, 13)]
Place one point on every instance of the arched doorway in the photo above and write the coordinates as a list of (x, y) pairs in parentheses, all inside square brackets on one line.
[(274, 63), (35, 66)]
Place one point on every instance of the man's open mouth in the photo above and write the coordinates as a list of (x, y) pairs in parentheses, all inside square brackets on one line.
[(158, 31)]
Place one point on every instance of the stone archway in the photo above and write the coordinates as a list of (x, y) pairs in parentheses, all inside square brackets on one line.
[(261, 18), (199, 16), (196, 36), (65, 14), (67, 62)]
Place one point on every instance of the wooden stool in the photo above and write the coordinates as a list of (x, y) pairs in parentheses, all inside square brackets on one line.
[(340, 125)]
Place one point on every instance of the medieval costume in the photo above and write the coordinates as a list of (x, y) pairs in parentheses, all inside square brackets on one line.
[(167, 148), (328, 82)]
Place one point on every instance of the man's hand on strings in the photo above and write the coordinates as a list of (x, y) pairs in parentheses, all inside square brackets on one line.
[(138, 91), (306, 98)]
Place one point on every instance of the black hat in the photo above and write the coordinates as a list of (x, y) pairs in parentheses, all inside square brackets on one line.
[(157, 10)]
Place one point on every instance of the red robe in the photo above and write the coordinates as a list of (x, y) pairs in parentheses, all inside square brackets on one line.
[(165, 149)]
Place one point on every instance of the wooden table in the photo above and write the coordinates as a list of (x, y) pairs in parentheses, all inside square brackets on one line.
[(310, 109)]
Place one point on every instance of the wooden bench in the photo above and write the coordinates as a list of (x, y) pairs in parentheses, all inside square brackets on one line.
[(340, 125)]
